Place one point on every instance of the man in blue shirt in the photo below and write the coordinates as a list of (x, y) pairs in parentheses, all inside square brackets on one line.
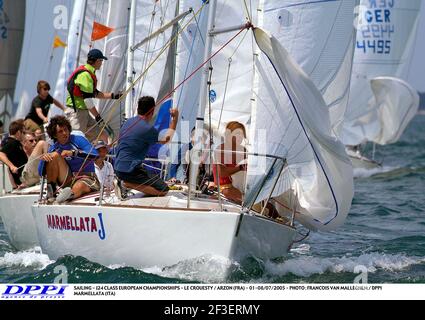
[(137, 135), (69, 162)]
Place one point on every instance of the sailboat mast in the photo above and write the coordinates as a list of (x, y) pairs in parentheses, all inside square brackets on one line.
[(204, 94), (130, 59)]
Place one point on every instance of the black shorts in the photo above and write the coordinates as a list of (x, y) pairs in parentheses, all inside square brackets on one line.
[(141, 177)]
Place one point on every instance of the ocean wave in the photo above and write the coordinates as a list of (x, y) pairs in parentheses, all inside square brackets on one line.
[(372, 262), (31, 258), (367, 173), (205, 269)]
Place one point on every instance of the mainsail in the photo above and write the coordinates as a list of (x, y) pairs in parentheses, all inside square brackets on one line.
[(385, 41), (12, 22)]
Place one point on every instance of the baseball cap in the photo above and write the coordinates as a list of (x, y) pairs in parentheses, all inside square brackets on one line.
[(96, 54), (100, 144)]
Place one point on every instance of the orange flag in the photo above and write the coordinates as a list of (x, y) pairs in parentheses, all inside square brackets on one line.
[(57, 42), (100, 31)]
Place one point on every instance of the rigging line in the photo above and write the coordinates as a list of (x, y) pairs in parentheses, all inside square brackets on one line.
[(228, 76), (198, 32), (118, 102), (190, 76), (145, 60), (272, 113), (333, 77), (247, 11), (225, 92), (149, 55), (170, 42), (327, 39)]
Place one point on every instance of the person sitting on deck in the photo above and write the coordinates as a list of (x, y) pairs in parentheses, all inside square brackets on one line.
[(230, 159), (12, 152), (69, 163), (104, 169), (137, 135), (34, 150)]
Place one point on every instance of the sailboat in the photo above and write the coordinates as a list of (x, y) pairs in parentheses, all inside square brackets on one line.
[(21, 229), (15, 207), (381, 102), (302, 158)]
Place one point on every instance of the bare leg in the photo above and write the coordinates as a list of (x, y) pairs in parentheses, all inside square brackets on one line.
[(79, 189), (40, 148), (148, 190), (233, 194), (58, 171)]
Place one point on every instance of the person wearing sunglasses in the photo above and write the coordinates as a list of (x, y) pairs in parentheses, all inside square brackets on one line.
[(34, 149)]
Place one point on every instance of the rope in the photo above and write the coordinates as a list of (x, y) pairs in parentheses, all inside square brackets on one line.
[(198, 31), (117, 102)]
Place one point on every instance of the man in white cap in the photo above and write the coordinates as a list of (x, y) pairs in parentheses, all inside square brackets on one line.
[(104, 169), (82, 89)]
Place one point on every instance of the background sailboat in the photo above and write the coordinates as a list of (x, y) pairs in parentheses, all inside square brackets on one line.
[(12, 22), (381, 102)]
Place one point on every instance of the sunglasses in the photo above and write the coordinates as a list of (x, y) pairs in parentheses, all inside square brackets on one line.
[(32, 140)]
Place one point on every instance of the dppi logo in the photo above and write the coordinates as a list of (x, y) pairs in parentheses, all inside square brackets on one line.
[(34, 291)]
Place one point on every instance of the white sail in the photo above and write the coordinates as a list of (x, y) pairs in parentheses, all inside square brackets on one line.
[(149, 62), (295, 121), (385, 41), (151, 57), (319, 35), (112, 76), (233, 71), (397, 103), (232, 64), (79, 42), (190, 55), (69, 59), (12, 22)]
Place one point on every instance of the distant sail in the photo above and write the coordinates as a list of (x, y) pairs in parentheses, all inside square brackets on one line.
[(385, 41), (12, 23), (320, 36)]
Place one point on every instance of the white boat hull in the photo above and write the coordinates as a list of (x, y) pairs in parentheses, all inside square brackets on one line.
[(15, 212), (147, 237), (364, 163), (5, 184)]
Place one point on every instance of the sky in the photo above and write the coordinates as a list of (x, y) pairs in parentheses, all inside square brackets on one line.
[(36, 63)]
